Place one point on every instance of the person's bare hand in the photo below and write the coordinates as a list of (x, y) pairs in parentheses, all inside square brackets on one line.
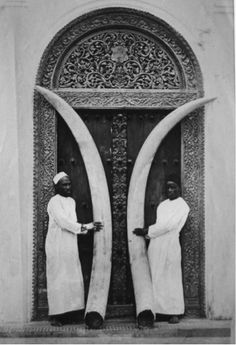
[(140, 231), (98, 226)]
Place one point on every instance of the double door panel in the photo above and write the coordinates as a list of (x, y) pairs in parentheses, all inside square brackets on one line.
[(119, 136)]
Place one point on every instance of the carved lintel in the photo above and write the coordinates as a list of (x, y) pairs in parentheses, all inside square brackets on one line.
[(83, 98)]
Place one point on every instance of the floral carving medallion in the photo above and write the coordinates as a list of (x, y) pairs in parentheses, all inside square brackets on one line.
[(114, 58)]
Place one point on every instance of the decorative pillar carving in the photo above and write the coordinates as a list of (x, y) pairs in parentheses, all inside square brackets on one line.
[(193, 232), (45, 162), (119, 201)]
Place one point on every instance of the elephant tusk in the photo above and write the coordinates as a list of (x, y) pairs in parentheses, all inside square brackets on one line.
[(101, 267), (136, 198)]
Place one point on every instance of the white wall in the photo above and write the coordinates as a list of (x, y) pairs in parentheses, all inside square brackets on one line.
[(207, 25), (10, 230), (220, 165)]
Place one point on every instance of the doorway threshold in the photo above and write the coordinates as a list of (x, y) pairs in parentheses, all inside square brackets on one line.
[(120, 331)]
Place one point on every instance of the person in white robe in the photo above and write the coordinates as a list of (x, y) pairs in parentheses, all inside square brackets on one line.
[(164, 253), (65, 286)]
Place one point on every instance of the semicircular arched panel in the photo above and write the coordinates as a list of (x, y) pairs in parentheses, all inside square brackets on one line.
[(120, 59), (156, 38)]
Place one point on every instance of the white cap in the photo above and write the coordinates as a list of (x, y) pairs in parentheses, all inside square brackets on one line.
[(58, 176)]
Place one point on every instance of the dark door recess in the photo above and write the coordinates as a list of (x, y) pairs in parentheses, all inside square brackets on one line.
[(119, 135)]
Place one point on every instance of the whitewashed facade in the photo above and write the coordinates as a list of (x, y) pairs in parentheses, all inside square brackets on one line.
[(26, 29)]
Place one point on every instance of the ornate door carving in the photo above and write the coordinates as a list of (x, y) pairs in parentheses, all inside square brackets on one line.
[(119, 58), (122, 70)]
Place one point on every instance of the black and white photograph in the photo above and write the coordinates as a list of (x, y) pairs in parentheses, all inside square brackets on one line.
[(117, 160)]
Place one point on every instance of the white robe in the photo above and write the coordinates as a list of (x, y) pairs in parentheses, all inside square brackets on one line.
[(65, 287), (164, 255)]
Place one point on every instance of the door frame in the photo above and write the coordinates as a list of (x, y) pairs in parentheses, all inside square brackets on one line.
[(192, 141)]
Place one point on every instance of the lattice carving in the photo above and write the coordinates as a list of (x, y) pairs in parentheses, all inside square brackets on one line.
[(120, 59), (186, 74), (119, 201)]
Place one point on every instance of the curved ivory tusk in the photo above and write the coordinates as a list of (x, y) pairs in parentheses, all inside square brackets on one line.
[(136, 197), (101, 268)]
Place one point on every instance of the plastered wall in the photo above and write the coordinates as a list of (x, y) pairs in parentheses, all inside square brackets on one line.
[(26, 29), (10, 236)]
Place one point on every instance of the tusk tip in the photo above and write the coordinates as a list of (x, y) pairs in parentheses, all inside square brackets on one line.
[(212, 99), (209, 99), (40, 89)]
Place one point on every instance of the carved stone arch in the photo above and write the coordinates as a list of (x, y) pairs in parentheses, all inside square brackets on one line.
[(119, 18), (182, 64)]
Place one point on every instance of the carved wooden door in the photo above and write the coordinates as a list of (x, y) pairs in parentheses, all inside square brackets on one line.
[(119, 135), (120, 58)]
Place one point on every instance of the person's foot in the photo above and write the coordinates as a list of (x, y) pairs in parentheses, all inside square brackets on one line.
[(162, 318), (93, 320), (55, 322), (76, 322), (145, 319), (174, 319)]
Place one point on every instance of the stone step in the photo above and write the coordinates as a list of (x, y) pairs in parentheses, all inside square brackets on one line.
[(123, 331), (117, 340)]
